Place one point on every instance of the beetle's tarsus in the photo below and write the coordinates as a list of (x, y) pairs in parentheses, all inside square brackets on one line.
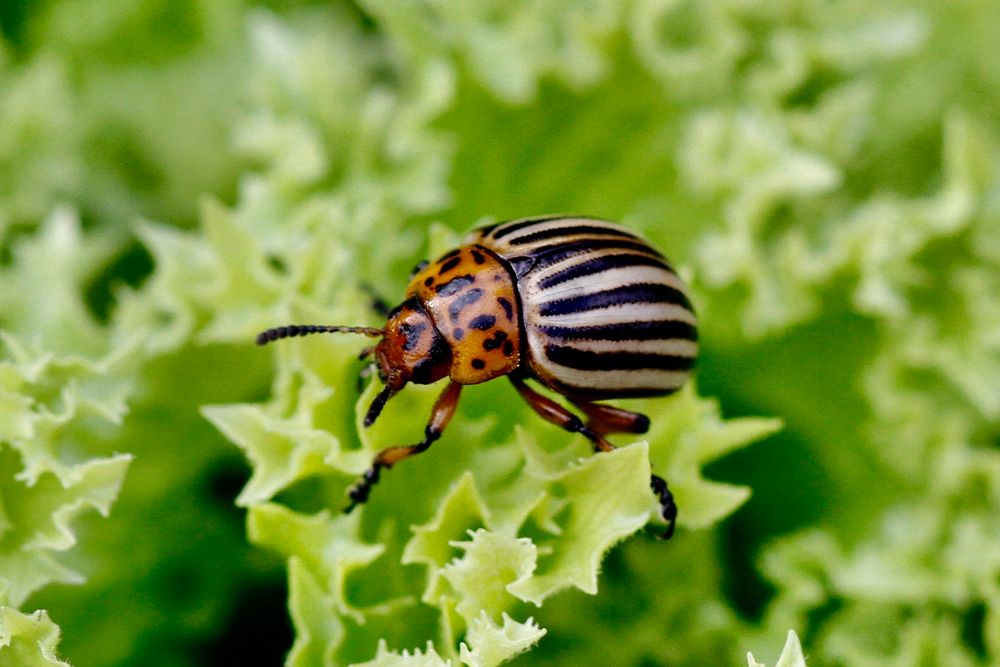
[(363, 487), (444, 408), (668, 508)]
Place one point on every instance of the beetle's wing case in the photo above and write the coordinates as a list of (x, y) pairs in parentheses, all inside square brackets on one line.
[(603, 312)]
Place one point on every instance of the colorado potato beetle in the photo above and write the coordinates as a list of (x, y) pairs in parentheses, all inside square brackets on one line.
[(581, 305)]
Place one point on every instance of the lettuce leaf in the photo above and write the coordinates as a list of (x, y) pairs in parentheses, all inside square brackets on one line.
[(175, 177)]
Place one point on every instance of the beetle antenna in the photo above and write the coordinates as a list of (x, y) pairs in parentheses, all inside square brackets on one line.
[(376, 407), (292, 330)]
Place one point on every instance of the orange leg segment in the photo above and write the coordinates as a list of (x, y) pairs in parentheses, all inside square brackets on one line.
[(441, 414), (605, 419), (552, 412)]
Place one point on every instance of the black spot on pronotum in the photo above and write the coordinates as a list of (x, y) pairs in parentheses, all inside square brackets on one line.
[(454, 285), (483, 322), (428, 281), (508, 348), (478, 257), (478, 364), (449, 265), (462, 301), (508, 309), (495, 341)]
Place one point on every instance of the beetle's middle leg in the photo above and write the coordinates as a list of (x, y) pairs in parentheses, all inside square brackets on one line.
[(441, 414)]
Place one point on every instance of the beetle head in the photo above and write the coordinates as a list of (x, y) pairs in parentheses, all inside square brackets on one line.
[(410, 350)]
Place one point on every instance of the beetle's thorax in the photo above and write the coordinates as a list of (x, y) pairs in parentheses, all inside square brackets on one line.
[(470, 295), (412, 349)]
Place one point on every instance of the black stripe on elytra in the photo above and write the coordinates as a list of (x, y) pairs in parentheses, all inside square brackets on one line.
[(637, 293), (483, 322), (508, 228), (599, 264), (653, 330), (554, 253), (599, 393), (454, 285), (462, 301), (553, 232), (586, 360)]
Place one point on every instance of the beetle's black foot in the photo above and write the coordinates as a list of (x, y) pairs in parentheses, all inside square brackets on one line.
[(359, 492), (668, 508)]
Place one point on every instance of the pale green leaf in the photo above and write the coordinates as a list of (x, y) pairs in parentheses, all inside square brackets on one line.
[(28, 640), (491, 565), (605, 498), (791, 654), (488, 644), (317, 632), (427, 657), (328, 548)]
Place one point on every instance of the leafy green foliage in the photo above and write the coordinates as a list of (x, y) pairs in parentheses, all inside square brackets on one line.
[(175, 176)]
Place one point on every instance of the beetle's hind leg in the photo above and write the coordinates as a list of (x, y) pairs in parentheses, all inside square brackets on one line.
[(668, 507), (607, 419), (602, 419), (552, 412), (443, 410)]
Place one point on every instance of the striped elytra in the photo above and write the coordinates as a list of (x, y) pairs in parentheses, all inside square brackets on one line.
[(581, 305), (603, 313)]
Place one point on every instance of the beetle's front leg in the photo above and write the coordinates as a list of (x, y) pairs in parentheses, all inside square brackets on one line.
[(443, 410)]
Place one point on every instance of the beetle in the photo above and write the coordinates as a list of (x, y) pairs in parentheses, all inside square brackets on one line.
[(580, 305)]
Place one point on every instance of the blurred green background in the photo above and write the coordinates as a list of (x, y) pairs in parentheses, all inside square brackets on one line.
[(178, 174)]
